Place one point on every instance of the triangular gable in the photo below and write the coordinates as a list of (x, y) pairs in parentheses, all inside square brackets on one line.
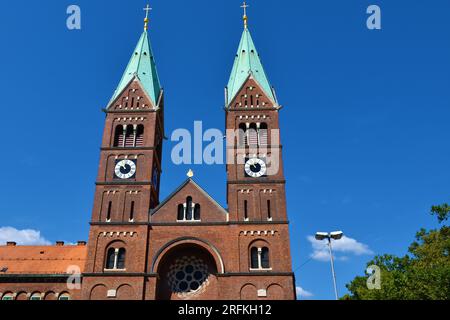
[(211, 210), (134, 82), (260, 90)]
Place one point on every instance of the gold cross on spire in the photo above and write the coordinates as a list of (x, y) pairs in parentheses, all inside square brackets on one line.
[(147, 9), (245, 18)]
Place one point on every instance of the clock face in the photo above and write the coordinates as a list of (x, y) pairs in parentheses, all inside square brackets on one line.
[(255, 168), (125, 169)]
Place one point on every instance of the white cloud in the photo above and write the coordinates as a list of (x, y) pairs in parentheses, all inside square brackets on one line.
[(302, 293), (22, 237), (341, 247)]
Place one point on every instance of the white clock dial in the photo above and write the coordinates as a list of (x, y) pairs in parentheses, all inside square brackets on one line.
[(255, 168), (125, 169)]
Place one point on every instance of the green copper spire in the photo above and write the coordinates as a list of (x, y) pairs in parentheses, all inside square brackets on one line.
[(142, 65), (247, 63)]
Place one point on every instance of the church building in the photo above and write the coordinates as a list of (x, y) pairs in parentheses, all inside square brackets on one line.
[(186, 246)]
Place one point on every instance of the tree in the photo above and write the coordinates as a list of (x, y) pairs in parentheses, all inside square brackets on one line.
[(422, 274), (442, 212)]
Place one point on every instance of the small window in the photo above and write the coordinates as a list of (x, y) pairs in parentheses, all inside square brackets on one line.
[(245, 210), (155, 178), (115, 259), (121, 259), (110, 259), (108, 214), (64, 296), (189, 211), (180, 215), (8, 296), (265, 258), (259, 258), (197, 212), (36, 296), (132, 211), (254, 263), (269, 212), (189, 208)]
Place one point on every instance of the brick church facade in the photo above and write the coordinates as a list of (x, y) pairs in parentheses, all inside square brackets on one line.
[(186, 246)]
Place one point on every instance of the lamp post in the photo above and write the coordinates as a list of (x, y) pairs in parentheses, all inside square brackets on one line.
[(336, 235)]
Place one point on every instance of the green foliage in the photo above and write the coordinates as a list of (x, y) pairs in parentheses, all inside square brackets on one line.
[(422, 274), (442, 212)]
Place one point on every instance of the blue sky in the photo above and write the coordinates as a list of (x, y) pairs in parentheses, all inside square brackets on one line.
[(364, 124)]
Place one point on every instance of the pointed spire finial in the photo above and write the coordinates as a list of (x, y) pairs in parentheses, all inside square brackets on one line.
[(190, 173), (147, 9), (245, 18)]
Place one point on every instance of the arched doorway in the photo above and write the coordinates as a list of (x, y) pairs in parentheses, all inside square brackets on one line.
[(186, 271)]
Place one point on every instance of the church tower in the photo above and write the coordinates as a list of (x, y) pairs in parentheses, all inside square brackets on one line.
[(127, 185), (256, 183), (255, 179)]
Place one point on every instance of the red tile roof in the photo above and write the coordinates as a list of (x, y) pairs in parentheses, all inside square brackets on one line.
[(41, 259)]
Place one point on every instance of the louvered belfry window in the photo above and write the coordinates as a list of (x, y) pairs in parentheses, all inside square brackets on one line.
[(253, 135), (118, 136), (263, 134), (140, 136), (242, 135), (129, 137)]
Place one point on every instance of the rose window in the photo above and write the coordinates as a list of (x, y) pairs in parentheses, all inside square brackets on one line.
[(188, 277)]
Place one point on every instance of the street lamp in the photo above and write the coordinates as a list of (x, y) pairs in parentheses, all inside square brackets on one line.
[(335, 235)]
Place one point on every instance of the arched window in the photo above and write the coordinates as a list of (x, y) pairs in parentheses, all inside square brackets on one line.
[(265, 258), (253, 135), (197, 212), (189, 211), (263, 134), (129, 137), (121, 259), (259, 258), (108, 212), (269, 212), (245, 210), (189, 208), (242, 135), (36, 296), (115, 259), (111, 259), (8, 296), (140, 136), (180, 215), (118, 137), (254, 258), (132, 211), (64, 296), (155, 178)]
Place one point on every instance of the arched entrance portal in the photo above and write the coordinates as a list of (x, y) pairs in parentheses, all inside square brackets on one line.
[(186, 271)]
